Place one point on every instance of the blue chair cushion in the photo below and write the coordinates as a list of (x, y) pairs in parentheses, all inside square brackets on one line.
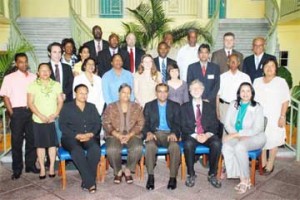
[(254, 154), (201, 149), (162, 151), (63, 154)]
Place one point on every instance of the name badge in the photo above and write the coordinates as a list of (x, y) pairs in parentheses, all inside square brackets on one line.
[(211, 76)]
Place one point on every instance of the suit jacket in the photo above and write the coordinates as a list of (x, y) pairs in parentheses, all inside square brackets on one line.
[(91, 46), (151, 114), (211, 80), (157, 64), (67, 84), (219, 57), (209, 119), (138, 56), (250, 69), (104, 61), (113, 119)]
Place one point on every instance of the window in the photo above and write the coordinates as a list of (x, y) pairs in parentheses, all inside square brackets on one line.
[(111, 8), (283, 58)]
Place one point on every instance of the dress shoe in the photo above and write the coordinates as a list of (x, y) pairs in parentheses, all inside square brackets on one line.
[(214, 181), (172, 184), (150, 182), (42, 177), (51, 175), (267, 172), (16, 175), (32, 169), (190, 180)]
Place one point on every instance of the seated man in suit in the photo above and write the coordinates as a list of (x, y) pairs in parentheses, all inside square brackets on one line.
[(253, 64), (162, 128), (135, 53), (97, 44), (199, 125), (221, 56), (104, 57), (206, 72), (162, 60)]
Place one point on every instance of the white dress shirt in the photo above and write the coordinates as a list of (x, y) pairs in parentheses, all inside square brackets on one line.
[(96, 45), (60, 70), (257, 60)]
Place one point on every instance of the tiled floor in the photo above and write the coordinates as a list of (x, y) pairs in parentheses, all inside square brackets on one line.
[(283, 183)]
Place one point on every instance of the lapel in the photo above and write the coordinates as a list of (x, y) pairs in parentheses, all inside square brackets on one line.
[(190, 112), (52, 72), (263, 58), (156, 61), (156, 112)]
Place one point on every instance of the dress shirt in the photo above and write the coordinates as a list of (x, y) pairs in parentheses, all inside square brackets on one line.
[(113, 51), (96, 45), (71, 62), (60, 70), (257, 60), (229, 84), (160, 59), (14, 87), (162, 109), (111, 83), (228, 50)]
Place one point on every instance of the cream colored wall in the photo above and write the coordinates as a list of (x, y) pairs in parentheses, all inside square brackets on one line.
[(245, 9), (289, 37), (44, 8)]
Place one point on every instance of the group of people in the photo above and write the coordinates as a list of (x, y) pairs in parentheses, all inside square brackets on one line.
[(224, 102)]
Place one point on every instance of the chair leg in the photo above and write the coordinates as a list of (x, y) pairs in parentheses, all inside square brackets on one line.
[(220, 167), (102, 168), (253, 163), (59, 169), (260, 165), (107, 164), (168, 160), (204, 160), (183, 168), (99, 171), (142, 167), (63, 174)]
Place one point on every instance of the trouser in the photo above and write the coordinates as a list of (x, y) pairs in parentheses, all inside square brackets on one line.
[(236, 157), (21, 127), (85, 163), (214, 144), (223, 111), (114, 148), (151, 150)]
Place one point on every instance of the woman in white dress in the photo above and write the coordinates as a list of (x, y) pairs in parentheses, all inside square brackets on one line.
[(145, 80), (93, 82), (272, 92)]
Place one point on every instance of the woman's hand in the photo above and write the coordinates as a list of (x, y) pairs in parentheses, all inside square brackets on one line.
[(44, 119)]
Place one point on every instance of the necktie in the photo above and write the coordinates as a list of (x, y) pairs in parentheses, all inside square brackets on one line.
[(113, 52), (256, 62), (228, 53), (198, 120), (98, 47), (203, 70), (57, 75), (164, 70), (131, 58)]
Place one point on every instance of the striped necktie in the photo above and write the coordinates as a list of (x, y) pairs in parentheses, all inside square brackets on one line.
[(164, 70)]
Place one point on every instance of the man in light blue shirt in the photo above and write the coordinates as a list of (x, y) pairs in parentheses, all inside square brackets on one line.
[(115, 77)]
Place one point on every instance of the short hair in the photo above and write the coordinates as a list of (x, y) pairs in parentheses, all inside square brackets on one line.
[(204, 46), (162, 43), (271, 59), (65, 41), (167, 33), (95, 27), (115, 55), (19, 55), (196, 81), (124, 85), (112, 36), (173, 66), (83, 66), (234, 55), (49, 48), (192, 30), (79, 86), (161, 85), (41, 64), (229, 34), (259, 38)]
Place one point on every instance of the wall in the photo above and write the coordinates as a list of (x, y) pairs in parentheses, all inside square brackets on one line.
[(245, 9), (44, 8)]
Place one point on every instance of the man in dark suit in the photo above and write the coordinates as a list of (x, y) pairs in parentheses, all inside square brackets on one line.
[(199, 125), (60, 72), (220, 57), (97, 44), (253, 64), (162, 128), (206, 72), (104, 56), (162, 61), (135, 53)]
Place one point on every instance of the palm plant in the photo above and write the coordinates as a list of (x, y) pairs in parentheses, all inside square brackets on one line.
[(152, 23)]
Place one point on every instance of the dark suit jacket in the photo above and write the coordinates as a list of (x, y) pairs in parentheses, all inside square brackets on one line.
[(219, 57), (209, 119), (211, 80), (250, 69), (169, 61), (91, 46), (138, 56), (67, 84), (151, 114), (104, 61)]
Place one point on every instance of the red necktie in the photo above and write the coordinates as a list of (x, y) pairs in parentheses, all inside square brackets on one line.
[(131, 58), (203, 70), (198, 120)]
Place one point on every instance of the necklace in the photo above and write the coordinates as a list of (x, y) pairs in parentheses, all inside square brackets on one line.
[(46, 89)]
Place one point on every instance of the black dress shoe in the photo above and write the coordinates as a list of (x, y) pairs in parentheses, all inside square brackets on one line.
[(16, 175), (150, 182), (42, 177), (32, 169), (172, 184), (190, 181), (51, 175), (214, 181)]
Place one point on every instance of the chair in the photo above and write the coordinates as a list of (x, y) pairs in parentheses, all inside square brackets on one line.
[(64, 155), (104, 164)]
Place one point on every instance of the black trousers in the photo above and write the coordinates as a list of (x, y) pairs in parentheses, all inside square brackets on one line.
[(21, 127), (214, 144), (85, 163)]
